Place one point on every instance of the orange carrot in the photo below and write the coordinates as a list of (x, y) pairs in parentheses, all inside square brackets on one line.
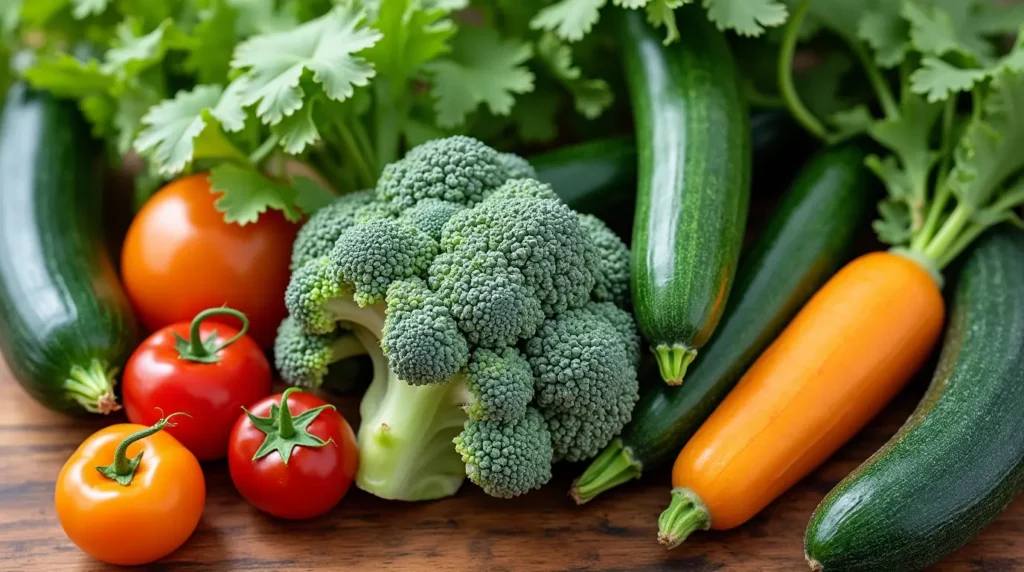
[(843, 357)]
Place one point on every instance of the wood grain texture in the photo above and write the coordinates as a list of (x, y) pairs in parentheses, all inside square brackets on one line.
[(541, 531)]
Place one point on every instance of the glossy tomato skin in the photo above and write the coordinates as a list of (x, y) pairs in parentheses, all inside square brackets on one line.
[(138, 523), (180, 257), (315, 478), (157, 381)]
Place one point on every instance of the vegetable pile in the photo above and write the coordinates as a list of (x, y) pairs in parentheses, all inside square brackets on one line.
[(494, 314), (476, 218)]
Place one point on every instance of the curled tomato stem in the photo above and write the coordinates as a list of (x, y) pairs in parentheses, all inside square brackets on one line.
[(196, 348), (123, 469)]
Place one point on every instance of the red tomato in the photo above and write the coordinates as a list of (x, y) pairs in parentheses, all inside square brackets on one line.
[(180, 257), (293, 473), (211, 382)]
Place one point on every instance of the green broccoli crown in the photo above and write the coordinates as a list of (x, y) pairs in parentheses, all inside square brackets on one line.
[(523, 189), (322, 230), (623, 323), (501, 383), (516, 167), (488, 298), (543, 239), (430, 215), (457, 169), (372, 255), (585, 381), (611, 268), (421, 340), (311, 286), (375, 210), (303, 359), (507, 459)]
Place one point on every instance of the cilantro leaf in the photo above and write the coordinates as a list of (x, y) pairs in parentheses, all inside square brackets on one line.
[(215, 39), (410, 37), (66, 76), (662, 13), (132, 53), (483, 69), (173, 126), (245, 194), (938, 80), (297, 130), (84, 8), (884, 29), (569, 19), (273, 64), (746, 17), (591, 96)]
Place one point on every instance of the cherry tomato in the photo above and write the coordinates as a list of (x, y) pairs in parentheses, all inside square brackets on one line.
[(180, 257), (295, 460), (207, 370), (144, 502)]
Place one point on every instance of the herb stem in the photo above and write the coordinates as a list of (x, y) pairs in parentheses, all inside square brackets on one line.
[(785, 75), (940, 247), (385, 123), (264, 150), (363, 139), (881, 87), (365, 174)]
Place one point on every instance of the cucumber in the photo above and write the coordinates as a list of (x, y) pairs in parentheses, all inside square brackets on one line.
[(65, 322), (693, 187), (958, 461), (811, 235)]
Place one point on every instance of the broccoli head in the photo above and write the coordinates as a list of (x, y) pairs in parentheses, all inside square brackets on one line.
[(372, 255), (430, 215), (421, 340), (585, 381), (489, 311), (611, 269), (507, 459)]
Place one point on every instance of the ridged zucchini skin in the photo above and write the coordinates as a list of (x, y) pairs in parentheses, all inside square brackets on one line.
[(693, 187), (63, 314), (958, 461), (811, 235)]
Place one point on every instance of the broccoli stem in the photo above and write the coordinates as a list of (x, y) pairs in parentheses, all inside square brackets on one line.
[(405, 439)]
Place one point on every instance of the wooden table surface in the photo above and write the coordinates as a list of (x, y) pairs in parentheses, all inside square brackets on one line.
[(541, 531)]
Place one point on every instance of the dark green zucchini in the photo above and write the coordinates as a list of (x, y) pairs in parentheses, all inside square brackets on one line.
[(958, 461), (693, 186), (810, 237), (65, 322)]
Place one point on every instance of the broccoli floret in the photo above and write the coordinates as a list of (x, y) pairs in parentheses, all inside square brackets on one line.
[(495, 354), (611, 270), (516, 167), (501, 384), (430, 215), (542, 238), (303, 359), (372, 255), (523, 189), (457, 169), (488, 298), (507, 459), (585, 381), (319, 234), (421, 340)]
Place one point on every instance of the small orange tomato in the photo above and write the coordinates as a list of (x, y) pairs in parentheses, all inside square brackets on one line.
[(130, 494)]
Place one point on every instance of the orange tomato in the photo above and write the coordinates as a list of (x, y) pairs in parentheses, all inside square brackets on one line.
[(180, 258), (142, 521)]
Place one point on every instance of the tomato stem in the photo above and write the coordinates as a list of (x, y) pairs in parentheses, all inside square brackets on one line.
[(285, 432), (204, 351), (123, 469)]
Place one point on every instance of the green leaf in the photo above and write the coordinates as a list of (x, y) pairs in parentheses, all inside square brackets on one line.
[(65, 76), (84, 8), (938, 80), (746, 17), (410, 37), (569, 19), (310, 196), (245, 194), (931, 29), (989, 152), (483, 69), (172, 127), (888, 34), (36, 13), (591, 96), (229, 110), (132, 106), (630, 4), (274, 63), (297, 130), (133, 53), (215, 40)]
